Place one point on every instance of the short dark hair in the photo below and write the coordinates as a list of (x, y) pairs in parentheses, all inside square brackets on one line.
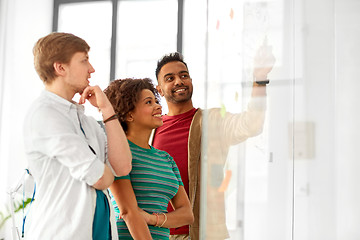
[(123, 94), (171, 57)]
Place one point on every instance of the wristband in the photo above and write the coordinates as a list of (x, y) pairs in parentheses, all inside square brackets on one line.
[(262, 82), (115, 116)]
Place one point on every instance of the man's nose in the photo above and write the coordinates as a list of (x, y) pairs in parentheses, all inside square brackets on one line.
[(92, 69), (178, 80)]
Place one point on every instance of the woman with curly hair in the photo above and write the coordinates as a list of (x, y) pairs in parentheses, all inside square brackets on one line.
[(141, 198)]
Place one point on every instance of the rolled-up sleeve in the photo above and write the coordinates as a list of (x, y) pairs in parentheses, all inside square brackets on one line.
[(53, 134)]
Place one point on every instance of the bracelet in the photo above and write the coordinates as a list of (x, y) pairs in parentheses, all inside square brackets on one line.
[(164, 220), (115, 116), (157, 219), (262, 82)]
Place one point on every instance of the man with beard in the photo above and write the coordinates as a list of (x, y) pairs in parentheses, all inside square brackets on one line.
[(180, 136), (69, 155)]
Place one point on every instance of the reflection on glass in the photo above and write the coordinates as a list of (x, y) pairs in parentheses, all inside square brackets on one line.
[(236, 30)]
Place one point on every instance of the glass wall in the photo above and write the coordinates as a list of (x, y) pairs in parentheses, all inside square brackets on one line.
[(295, 180), (256, 179)]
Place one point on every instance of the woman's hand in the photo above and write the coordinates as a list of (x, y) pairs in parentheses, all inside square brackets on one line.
[(148, 217)]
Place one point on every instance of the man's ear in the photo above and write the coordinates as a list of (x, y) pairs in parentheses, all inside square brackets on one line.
[(59, 68), (158, 88)]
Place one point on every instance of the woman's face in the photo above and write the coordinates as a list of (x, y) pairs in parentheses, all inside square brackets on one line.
[(147, 112)]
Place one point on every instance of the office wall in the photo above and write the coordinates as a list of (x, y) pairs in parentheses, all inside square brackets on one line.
[(325, 193), (347, 33)]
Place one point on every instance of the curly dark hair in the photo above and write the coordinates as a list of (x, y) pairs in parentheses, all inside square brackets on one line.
[(171, 57), (123, 94)]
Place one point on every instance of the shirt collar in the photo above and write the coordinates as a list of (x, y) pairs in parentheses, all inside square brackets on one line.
[(62, 103)]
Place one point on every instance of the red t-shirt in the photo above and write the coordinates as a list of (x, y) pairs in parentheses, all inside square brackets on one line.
[(172, 137)]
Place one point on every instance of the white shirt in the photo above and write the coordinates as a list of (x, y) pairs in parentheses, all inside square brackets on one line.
[(64, 169)]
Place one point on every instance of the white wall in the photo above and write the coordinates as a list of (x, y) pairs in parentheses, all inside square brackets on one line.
[(22, 23), (327, 196), (314, 214), (347, 32)]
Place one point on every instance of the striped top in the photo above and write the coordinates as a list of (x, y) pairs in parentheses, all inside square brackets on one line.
[(155, 179)]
